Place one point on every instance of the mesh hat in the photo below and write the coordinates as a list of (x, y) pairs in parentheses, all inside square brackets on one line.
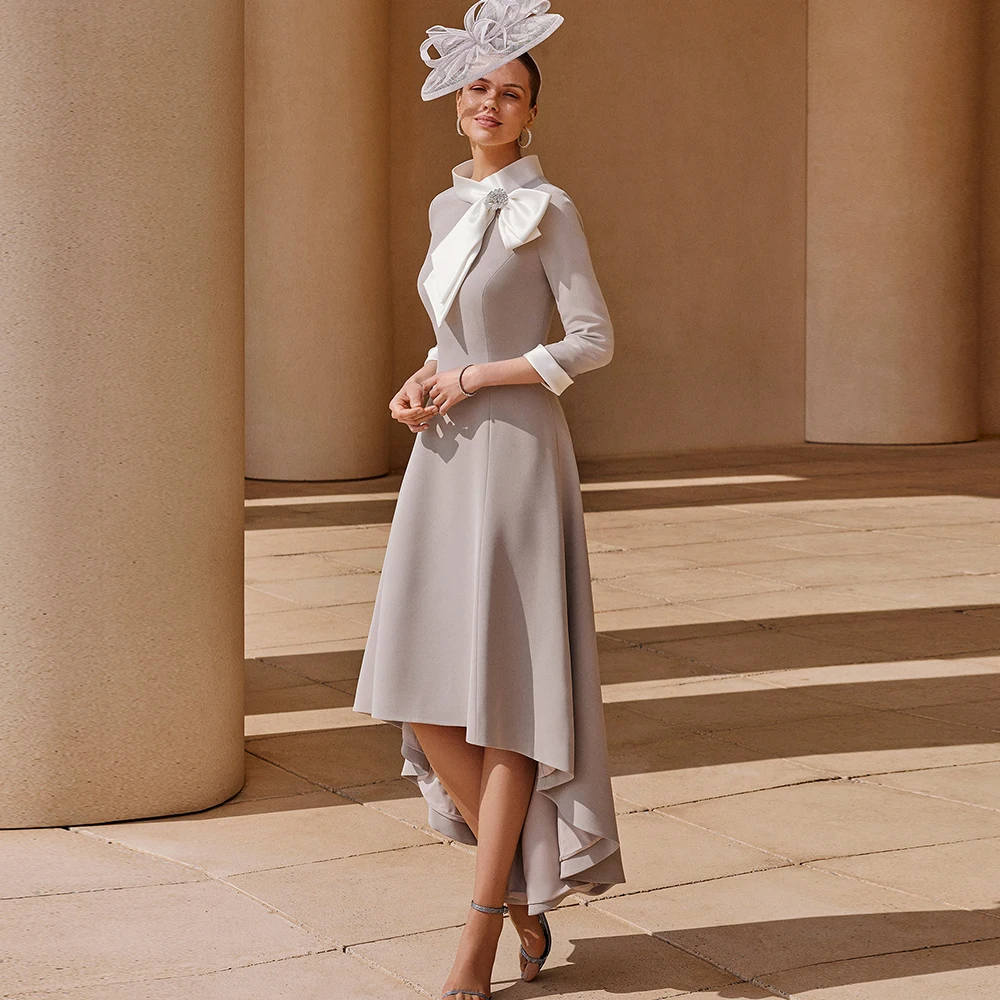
[(496, 33)]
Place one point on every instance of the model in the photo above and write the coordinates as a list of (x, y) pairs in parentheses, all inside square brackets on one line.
[(482, 647)]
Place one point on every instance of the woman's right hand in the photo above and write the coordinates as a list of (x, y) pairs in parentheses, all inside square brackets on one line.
[(407, 406)]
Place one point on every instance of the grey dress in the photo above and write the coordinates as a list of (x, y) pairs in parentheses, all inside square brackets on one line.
[(484, 613)]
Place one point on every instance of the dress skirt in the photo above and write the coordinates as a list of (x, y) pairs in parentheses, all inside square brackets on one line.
[(484, 618)]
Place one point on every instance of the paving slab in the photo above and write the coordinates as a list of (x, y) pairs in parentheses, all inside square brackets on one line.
[(338, 758), (608, 597), (849, 541), (938, 592), (88, 939), (838, 818), (321, 591), (628, 729), (298, 709), (984, 714), (800, 605), (627, 664), (330, 665), (986, 533), (694, 768), (868, 566), (899, 512), (727, 702), (691, 624), (869, 742), (256, 602), (399, 798), (910, 632), (298, 626), (265, 780), (266, 833), (739, 528), (738, 553), (48, 861), (959, 972), (928, 684), (662, 621), (593, 956), (761, 650), (371, 896), (964, 874), (265, 675), (664, 851), (974, 784), (308, 540), (330, 975), (785, 918), (261, 569), (699, 583)]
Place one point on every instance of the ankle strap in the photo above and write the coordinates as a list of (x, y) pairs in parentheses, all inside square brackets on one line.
[(489, 909)]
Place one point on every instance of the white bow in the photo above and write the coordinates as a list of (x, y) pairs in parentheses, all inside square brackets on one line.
[(519, 214)]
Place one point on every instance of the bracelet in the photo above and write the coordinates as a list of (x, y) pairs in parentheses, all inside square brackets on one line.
[(462, 387)]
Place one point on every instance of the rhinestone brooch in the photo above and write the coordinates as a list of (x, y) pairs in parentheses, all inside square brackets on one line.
[(497, 198)]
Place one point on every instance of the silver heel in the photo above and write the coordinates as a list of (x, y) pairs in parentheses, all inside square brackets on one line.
[(483, 909), (540, 960)]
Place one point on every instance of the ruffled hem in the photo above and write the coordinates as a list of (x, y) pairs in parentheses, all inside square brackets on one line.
[(562, 848)]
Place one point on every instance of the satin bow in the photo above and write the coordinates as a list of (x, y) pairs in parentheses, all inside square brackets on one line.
[(519, 215)]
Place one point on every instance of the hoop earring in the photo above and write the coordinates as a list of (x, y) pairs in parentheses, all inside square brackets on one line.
[(524, 144), (458, 125)]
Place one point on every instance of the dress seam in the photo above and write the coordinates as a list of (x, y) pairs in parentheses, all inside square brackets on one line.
[(479, 567), (486, 485), (565, 572), (486, 494)]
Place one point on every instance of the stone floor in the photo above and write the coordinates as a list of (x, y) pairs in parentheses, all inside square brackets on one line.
[(800, 651)]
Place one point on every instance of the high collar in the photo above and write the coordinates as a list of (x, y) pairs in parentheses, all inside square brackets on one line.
[(510, 177), (517, 213)]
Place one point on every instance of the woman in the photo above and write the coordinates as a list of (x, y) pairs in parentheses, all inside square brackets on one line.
[(482, 647)]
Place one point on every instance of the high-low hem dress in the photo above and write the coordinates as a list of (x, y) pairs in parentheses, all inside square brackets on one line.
[(484, 612)]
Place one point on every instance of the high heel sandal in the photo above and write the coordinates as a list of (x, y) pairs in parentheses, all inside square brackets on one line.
[(482, 909), (540, 961)]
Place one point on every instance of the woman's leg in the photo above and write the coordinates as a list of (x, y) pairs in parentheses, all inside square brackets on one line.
[(508, 781), (458, 765), (497, 783)]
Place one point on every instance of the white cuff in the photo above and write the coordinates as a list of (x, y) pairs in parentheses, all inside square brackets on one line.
[(553, 376), (432, 354)]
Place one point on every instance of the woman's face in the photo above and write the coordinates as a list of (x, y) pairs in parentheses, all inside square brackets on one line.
[(500, 97)]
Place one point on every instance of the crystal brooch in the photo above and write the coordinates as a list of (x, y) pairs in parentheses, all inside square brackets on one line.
[(497, 198)]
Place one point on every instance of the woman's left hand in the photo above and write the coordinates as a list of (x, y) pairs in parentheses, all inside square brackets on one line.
[(444, 388)]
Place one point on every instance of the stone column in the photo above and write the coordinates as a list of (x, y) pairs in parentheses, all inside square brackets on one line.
[(989, 258), (318, 324), (121, 386), (892, 221)]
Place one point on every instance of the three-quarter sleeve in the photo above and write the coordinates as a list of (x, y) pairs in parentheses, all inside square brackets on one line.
[(589, 337)]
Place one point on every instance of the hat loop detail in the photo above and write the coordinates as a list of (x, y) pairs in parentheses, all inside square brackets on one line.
[(495, 32)]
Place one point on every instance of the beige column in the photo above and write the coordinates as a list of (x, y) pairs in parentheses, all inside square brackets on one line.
[(989, 259), (121, 367), (892, 221), (318, 309)]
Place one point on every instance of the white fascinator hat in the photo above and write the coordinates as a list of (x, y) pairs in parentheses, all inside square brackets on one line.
[(494, 34)]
